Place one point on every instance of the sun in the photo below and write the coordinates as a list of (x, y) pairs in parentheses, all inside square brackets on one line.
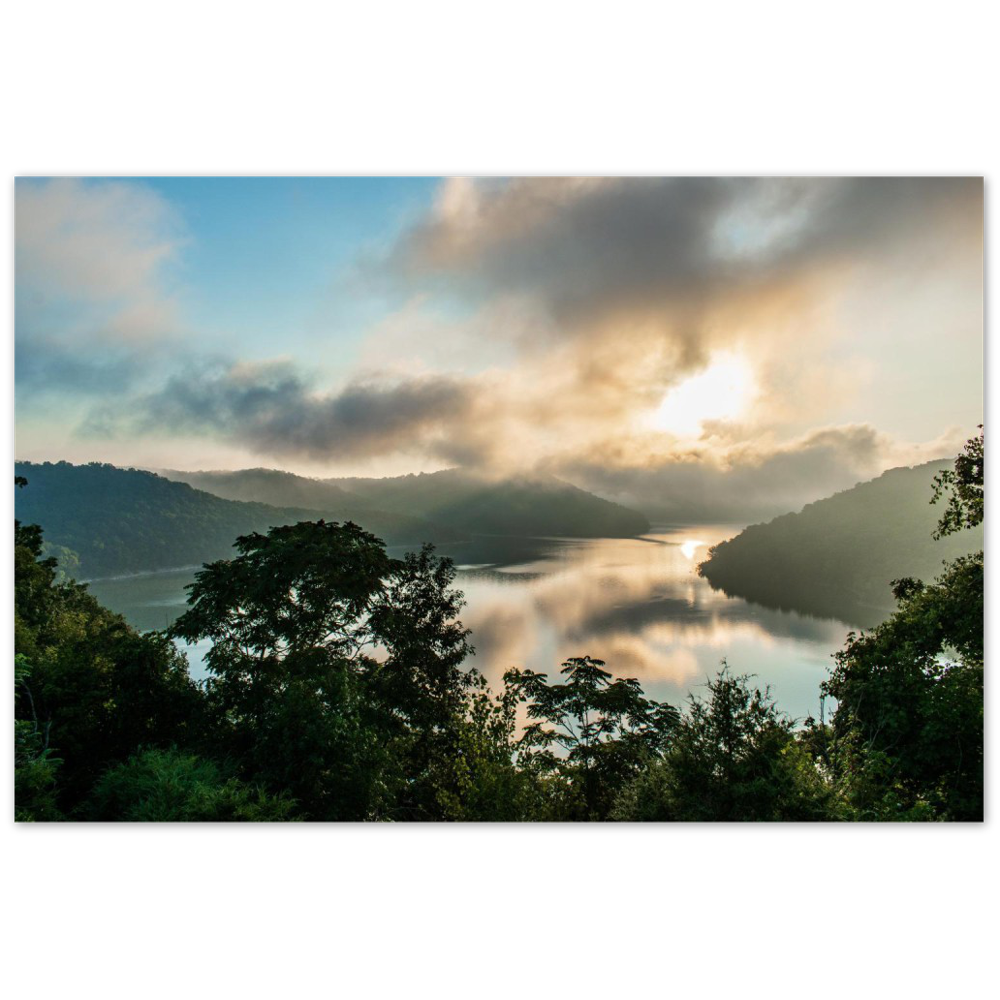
[(723, 391)]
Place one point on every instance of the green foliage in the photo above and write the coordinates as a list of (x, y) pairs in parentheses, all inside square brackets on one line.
[(337, 691), (35, 765), (839, 556), (963, 486), (909, 721), (295, 621), (590, 731), (414, 620), (97, 690), (288, 619), (733, 757), (478, 779), (161, 786), (67, 561)]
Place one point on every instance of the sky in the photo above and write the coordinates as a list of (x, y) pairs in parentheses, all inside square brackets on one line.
[(696, 347)]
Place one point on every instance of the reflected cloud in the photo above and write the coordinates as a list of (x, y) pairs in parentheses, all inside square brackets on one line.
[(503, 635), (637, 604)]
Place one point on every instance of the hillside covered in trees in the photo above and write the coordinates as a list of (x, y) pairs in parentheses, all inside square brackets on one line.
[(838, 557), (120, 521)]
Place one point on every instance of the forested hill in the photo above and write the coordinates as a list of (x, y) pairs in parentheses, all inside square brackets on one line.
[(121, 521), (838, 556), (523, 505)]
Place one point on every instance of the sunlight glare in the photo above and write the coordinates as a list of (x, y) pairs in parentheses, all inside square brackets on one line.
[(723, 391), (691, 546)]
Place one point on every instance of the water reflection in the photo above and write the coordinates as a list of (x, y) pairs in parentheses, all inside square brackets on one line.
[(640, 605), (636, 603)]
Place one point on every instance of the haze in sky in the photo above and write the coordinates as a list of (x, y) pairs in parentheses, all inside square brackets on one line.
[(715, 346)]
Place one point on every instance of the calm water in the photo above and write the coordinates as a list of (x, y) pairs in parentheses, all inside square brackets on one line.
[(636, 603)]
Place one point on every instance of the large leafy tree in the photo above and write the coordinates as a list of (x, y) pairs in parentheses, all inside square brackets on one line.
[(588, 734), (909, 723), (334, 669), (420, 686)]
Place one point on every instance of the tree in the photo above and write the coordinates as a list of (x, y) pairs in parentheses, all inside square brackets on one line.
[(732, 757), (476, 779), (590, 733), (160, 786), (334, 669), (909, 721), (963, 486), (35, 765)]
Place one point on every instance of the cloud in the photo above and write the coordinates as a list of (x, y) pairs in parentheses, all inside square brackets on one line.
[(714, 483), (44, 367), (271, 409), (732, 482), (104, 242)]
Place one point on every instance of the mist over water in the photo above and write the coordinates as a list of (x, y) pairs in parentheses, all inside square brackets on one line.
[(636, 603)]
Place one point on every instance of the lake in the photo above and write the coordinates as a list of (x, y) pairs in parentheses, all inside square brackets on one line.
[(636, 603)]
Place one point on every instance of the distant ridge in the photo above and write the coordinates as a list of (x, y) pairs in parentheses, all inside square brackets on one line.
[(284, 489), (519, 505), (451, 504)]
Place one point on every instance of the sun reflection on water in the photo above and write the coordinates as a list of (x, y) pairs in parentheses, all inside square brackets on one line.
[(691, 546)]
